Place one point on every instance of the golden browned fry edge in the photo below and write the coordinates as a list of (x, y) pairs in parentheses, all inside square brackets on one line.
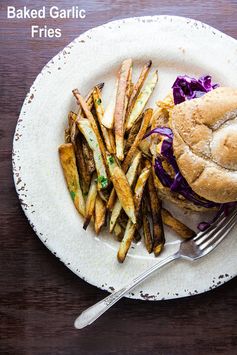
[(146, 228), (68, 162), (137, 87), (131, 229), (124, 192), (100, 112), (118, 231), (90, 117), (139, 137), (158, 231), (89, 99), (90, 202), (100, 214), (85, 127), (120, 107), (88, 155), (126, 241), (181, 229), (141, 101), (129, 155), (131, 176)]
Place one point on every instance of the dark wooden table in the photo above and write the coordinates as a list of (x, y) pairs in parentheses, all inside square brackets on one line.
[(39, 296)]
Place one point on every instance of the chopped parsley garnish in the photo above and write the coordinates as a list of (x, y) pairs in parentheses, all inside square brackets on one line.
[(102, 180), (111, 160), (73, 195), (98, 101)]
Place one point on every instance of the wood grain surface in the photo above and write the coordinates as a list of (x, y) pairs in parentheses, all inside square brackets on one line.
[(39, 296)]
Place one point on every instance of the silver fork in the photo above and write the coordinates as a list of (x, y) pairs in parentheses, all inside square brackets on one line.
[(202, 244)]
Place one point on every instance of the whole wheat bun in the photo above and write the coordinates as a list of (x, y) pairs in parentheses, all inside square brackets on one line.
[(205, 143)]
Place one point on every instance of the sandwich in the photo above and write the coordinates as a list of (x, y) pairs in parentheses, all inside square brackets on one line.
[(194, 145)]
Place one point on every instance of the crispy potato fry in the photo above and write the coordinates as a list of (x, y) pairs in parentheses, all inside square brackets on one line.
[(129, 156), (126, 241), (131, 175), (138, 139), (104, 195), (144, 146), (76, 138), (137, 87), (89, 100), (100, 214), (146, 228), (68, 162), (118, 231), (132, 135), (141, 101), (121, 106), (111, 200), (158, 231), (131, 229), (67, 137), (85, 127), (122, 188), (82, 166), (90, 202), (181, 229), (139, 188), (88, 155), (100, 112), (108, 118), (92, 121)]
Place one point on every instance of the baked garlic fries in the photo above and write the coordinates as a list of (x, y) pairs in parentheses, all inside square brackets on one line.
[(108, 166)]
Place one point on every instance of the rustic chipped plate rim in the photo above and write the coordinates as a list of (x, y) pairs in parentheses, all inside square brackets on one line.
[(27, 192)]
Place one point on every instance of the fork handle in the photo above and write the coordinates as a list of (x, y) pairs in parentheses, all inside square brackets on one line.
[(92, 313)]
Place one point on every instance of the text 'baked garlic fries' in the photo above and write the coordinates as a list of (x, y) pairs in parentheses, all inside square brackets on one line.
[(108, 166)]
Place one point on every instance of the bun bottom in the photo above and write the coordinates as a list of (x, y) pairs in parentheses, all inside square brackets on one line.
[(164, 193)]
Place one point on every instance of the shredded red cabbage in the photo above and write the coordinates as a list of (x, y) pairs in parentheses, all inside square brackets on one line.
[(187, 88)]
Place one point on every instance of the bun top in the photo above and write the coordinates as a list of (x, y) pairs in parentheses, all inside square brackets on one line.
[(205, 143)]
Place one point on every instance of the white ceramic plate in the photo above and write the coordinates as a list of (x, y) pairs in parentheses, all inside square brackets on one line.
[(176, 46)]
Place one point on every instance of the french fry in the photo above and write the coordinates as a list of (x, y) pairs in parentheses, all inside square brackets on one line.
[(92, 121), (108, 137), (79, 142), (141, 101), (67, 138), (68, 162), (118, 231), (82, 166), (158, 231), (137, 87), (121, 106), (100, 214), (122, 188), (132, 135), (108, 118), (146, 228), (144, 146), (111, 200), (89, 99), (139, 188), (131, 228), (88, 156), (126, 241), (85, 127), (90, 202), (131, 175), (138, 139), (129, 155), (181, 229)]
